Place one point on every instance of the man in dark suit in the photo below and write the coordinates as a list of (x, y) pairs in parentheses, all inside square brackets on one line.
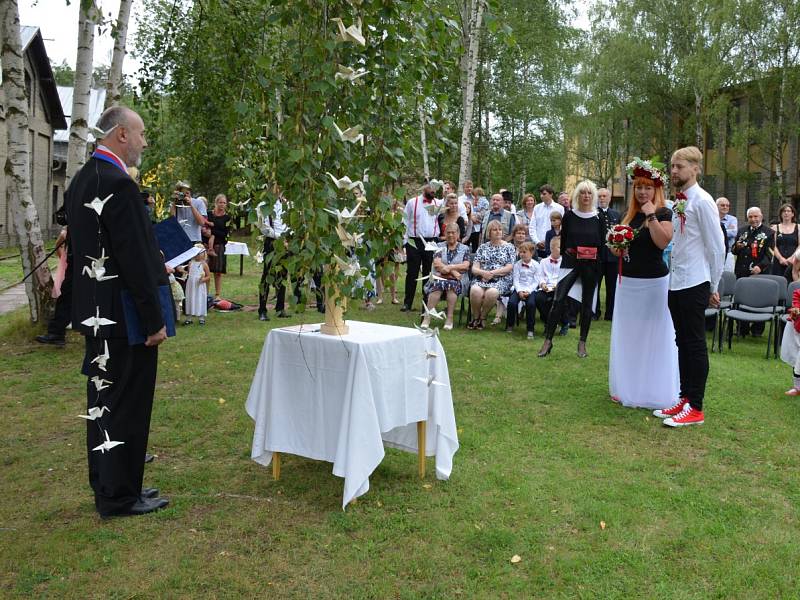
[(117, 273), (608, 262), (753, 249)]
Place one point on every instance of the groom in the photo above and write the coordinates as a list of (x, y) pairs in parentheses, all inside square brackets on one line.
[(698, 255)]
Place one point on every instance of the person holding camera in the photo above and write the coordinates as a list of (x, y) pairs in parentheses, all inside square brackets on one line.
[(190, 212)]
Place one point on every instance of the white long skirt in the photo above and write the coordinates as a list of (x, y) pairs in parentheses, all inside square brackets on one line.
[(643, 363)]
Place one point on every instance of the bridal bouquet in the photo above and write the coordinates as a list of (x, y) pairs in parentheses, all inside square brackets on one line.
[(620, 237)]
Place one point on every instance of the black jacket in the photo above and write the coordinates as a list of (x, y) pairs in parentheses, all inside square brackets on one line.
[(763, 249), (608, 218), (123, 230)]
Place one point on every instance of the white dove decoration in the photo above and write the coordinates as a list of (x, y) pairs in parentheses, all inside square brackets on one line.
[(352, 33), (97, 205), (351, 134), (98, 270), (350, 240), (431, 380), (349, 74), (102, 359), (348, 268), (107, 444), (100, 384), (345, 183), (433, 313), (96, 322), (429, 246), (95, 413), (99, 134)]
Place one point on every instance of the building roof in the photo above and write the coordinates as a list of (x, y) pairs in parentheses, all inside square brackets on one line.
[(33, 43), (97, 99)]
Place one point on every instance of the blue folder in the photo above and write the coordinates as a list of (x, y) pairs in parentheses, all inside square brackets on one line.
[(136, 333)]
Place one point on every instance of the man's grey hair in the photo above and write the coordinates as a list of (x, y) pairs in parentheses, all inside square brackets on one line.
[(112, 117), (753, 209)]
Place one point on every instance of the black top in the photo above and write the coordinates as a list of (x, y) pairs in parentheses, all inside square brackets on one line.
[(579, 231), (786, 243), (462, 228), (219, 228), (645, 260), (608, 218)]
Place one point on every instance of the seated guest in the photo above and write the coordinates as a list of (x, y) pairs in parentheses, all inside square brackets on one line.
[(450, 262), (492, 268), (525, 278), (549, 273), (450, 215), (555, 230), (753, 249), (498, 213)]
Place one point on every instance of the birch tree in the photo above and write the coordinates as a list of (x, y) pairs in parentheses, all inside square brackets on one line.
[(17, 166), (79, 127), (471, 49), (120, 34)]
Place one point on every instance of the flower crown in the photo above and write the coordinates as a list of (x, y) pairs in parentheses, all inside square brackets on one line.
[(651, 169)]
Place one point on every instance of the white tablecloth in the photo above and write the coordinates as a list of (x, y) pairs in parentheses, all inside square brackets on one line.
[(341, 398), (237, 248)]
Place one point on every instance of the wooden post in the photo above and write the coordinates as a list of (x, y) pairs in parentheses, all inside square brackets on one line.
[(241, 264), (334, 315), (421, 448), (276, 465)]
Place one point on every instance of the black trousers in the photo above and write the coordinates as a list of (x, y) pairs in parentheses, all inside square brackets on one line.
[(263, 286), (416, 259), (116, 474), (688, 308), (474, 241), (544, 303), (609, 272), (63, 312), (588, 273), (513, 307)]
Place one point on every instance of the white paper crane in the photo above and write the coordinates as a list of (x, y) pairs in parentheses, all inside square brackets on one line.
[(97, 321), (97, 205), (431, 277), (240, 204), (348, 268), (352, 33), (102, 359), (345, 215), (436, 184), (107, 444), (427, 332), (95, 413), (429, 246), (433, 313), (99, 134), (345, 183), (431, 380), (100, 383), (349, 240), (259, 257), (431, 354), (351, 134), (98, 269), (348, 73)]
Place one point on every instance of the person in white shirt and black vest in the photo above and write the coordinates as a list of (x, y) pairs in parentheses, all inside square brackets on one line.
[(698, 255), (420, 218), (753, 249)]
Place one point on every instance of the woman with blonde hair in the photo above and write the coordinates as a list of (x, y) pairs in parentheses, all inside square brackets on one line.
[(644, 374), (492, 268)]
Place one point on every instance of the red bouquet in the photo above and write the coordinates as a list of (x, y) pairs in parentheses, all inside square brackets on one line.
[(620, 237)]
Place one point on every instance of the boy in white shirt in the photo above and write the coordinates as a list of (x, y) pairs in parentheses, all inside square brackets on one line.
[(548, 279), (526, 280)]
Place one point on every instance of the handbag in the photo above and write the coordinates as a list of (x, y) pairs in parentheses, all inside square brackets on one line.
[(586, 253)]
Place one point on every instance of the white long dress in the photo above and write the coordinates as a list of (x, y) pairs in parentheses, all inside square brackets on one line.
[(196, 291)]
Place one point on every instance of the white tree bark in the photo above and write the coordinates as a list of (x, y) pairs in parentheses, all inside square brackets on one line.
[(469, 92), (426, 171), (79, 128), (17, 167), (120, 33)]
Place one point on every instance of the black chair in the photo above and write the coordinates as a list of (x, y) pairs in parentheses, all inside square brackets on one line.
[(755, 300), (466, 284), (783, 289), (725, 289)]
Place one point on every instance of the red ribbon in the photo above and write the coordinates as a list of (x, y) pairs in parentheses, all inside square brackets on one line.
[(681, 196), (619, 266), (754, 249)]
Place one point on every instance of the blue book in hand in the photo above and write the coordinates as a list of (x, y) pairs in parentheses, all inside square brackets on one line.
[(136, 333)]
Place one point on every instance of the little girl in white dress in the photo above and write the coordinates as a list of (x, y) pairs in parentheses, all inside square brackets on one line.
[(197, 289)]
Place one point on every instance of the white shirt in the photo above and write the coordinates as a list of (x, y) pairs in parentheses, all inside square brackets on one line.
[(698, 253), (549, 272), (731, 225), (526, 277), (277, 228), (418, 221), (540, 224), (463, 200)]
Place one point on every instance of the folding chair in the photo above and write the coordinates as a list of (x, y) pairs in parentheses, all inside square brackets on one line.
[(725, 289), (755, 300), (781, 308)]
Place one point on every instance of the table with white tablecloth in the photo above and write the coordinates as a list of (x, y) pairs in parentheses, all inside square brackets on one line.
[(240, 248), (342, 398)]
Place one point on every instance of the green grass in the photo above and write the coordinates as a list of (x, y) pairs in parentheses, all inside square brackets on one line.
[(545, 457)]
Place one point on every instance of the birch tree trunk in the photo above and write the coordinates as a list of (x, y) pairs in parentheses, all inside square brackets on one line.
[(120, 33), (469, 92), (426, 171), (17, 166), (79, 128), (698, 121)]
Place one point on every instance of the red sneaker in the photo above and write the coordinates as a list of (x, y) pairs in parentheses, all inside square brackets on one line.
[(792, 392), (688, 416), (672, 411)]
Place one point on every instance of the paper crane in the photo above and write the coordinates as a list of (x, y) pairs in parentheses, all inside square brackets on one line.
[(97, 321), (97, 205), (436, 184), (349, 74), (345, 215), (431, 354), (259, 257), (99, 134), (427, 332), (431, 277), (352, 33), (351, 134), (100, 383), (107, 444), (429, 246), (183, 221), (240, 204), (350, 240), (98, 269), (348, 268), (95, 413), (345, 183), (102, 359), (431, 380), (433, 313)]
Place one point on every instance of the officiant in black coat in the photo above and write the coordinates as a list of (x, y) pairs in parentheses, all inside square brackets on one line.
[(609, 264), (117, 273)]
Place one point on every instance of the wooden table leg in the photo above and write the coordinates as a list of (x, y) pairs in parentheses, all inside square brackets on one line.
[(241, 264), (276, 465), (421, 448)]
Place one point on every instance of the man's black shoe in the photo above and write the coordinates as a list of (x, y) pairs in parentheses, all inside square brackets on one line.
[(53, 340), (283, 314), (149, 493), (405, 308), (263, 316), (141, 507), (148, 458), (321, 308)]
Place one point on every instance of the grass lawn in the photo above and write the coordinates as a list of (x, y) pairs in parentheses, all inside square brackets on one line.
[(599, 501)]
